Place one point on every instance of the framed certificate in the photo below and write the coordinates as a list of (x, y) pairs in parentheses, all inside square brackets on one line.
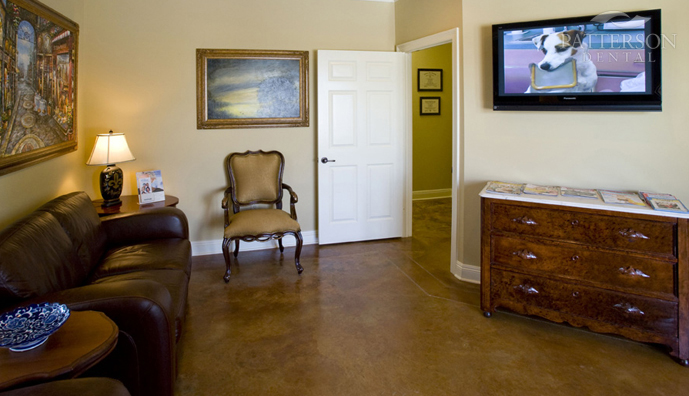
[(430, 106), (430, 80)]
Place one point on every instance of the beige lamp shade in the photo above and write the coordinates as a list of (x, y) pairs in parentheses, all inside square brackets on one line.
[(110, 148)]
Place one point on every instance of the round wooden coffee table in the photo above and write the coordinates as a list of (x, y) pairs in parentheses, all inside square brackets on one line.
[(84, 340)]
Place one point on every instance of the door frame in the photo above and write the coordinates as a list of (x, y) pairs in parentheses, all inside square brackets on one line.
[(448, 36)]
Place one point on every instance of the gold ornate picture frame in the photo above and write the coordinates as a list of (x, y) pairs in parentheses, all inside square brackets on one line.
[(251, 88), (38, 84)]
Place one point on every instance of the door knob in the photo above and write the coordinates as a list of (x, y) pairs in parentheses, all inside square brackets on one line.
[(325, 160)]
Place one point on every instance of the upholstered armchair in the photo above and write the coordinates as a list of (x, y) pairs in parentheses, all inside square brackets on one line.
[(256, 178)]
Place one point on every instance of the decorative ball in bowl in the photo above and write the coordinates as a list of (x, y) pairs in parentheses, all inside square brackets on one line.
[(26, 328)]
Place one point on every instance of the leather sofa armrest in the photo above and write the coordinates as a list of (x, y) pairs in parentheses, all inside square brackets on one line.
[(155, 223), (143, 310)]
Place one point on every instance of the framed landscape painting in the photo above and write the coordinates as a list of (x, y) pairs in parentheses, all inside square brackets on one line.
[(38, 84), (251, 89)]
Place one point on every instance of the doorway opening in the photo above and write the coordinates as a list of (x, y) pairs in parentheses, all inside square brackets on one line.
[(431, 102), (448, 37)]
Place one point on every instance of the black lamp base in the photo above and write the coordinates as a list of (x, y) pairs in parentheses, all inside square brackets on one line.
[(111, 179)]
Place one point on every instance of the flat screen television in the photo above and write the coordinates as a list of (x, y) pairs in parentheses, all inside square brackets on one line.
[(606, 62)]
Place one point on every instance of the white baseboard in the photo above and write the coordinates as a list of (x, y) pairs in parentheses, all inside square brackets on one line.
[(202, 248), (432, 194), (467, 273)]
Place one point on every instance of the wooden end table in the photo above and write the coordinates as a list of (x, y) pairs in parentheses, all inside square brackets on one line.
[(85, 339), (130, 203)]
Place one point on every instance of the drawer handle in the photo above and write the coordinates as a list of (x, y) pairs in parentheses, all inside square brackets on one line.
[(575, 258), (631, 271), (526, 289), (630, 233), (525, 254), (575, 294), (524, 220), (574, 222), (629, 309)]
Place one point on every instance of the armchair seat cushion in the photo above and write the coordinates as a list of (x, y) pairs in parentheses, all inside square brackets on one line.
[(260, 222)]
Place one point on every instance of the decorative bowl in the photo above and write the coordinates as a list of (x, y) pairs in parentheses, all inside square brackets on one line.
[(28, 327)]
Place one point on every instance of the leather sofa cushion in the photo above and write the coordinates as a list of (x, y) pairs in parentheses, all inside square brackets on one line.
[(154, 254), (36, 257), (79, 219), (175, 281)]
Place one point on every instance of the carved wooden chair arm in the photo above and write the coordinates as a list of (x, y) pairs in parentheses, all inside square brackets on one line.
[(226, 203), (226, 198), (293, 199)]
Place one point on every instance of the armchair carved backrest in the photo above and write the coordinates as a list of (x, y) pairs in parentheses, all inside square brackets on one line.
[(256, 178)]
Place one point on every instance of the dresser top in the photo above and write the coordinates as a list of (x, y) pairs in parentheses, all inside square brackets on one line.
[(577, 202)]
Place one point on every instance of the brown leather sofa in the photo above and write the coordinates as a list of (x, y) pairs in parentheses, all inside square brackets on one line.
[(133, 267), (72, 387)]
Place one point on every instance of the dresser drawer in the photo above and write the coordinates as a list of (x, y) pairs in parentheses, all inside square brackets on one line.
[(644, 236), (603, 269), (618, 309)]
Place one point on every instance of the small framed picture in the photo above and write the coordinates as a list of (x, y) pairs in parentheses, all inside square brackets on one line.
[(430, 106), (430, 80)]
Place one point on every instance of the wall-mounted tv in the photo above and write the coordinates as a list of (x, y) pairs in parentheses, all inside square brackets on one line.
[(606, 62)]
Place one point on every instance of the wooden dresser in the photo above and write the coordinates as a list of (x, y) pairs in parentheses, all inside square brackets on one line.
[(611, 268)]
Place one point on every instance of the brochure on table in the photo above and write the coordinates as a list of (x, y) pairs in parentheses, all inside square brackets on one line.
[(579, 202), (150, 186)]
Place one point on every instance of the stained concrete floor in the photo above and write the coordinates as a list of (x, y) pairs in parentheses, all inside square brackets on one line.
[(388, 318)]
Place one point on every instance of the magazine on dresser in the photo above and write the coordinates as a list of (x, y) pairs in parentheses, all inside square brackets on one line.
[(579, 192), (664, 202), (622, 198), (504, 188), (536, 189)]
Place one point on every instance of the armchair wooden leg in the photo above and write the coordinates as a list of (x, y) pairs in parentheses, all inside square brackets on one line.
[(282, 248), (236, 247), (226, 253), (297, 253)]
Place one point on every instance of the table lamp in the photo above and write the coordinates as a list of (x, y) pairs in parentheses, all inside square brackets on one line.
[(109, 149)]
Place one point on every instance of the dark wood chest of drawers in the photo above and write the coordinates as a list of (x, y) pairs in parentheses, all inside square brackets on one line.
[(610, 271)]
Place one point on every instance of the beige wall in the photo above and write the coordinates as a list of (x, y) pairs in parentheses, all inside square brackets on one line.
[(636, 151), (432, 136), (143, 84), (138, 76), (415, 19), (26, 189)]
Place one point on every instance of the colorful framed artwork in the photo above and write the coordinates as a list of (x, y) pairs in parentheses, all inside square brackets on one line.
[(38, 84), (430, 80), (251, 89), (430, 106)]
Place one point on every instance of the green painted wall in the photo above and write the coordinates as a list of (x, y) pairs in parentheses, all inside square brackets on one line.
[(432, 142)]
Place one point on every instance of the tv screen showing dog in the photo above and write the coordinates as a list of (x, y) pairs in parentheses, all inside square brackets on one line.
[(600, 62)]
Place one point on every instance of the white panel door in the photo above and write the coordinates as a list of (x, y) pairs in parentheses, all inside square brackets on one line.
[(360, 145)]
